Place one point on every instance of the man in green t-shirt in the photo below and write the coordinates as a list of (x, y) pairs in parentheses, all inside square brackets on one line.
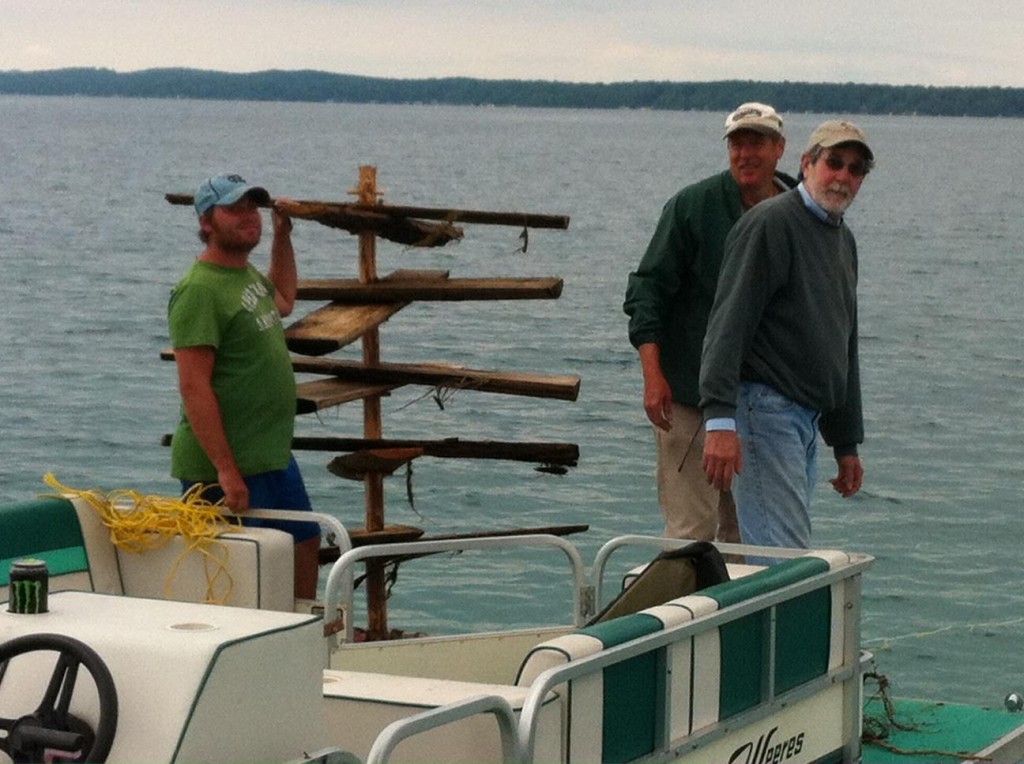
[(234, 370)]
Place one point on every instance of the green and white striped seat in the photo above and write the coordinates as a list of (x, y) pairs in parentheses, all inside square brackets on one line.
[(710, 677)]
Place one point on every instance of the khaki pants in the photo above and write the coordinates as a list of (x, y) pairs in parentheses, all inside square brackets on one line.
[(692, 508)]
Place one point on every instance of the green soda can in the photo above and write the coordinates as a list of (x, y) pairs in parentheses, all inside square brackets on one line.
[(30, 586)]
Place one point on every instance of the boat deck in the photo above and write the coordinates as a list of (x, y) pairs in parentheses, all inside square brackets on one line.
[(943, 732)]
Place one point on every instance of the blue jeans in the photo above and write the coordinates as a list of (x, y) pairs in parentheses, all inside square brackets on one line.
[(773, 492)]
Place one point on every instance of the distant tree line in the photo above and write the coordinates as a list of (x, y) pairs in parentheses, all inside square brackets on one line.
[(315, 86)]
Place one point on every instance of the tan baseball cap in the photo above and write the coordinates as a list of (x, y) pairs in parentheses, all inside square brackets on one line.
[(837, 131), (754, 116)]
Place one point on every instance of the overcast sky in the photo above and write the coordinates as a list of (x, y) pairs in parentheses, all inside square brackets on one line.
[(943, 42)]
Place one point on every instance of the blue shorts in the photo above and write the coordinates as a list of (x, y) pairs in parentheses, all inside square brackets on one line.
[(278, 489)]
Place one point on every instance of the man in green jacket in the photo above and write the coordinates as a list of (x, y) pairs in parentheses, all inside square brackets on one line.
[(780, 358), (668, 300)]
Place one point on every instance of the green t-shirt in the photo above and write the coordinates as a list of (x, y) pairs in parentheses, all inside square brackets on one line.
[(233, 311)]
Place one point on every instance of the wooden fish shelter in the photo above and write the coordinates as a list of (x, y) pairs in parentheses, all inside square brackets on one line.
[(352, 310)]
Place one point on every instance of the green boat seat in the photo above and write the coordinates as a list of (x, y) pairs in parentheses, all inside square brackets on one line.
[(45, 529)]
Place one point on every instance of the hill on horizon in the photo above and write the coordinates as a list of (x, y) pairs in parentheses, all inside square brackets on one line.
[(319, 86)]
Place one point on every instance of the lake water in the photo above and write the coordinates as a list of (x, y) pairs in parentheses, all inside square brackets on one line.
[(90, 250)]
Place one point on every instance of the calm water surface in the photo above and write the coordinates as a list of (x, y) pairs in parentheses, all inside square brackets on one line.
[(90, 249)]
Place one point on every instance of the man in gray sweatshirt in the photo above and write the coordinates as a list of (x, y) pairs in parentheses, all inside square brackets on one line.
[(780, 355)]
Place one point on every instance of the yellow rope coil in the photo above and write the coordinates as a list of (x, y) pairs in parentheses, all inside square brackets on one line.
[(140, 522)]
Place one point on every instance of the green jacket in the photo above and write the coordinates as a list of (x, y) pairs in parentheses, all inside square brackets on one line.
[(669, 296)]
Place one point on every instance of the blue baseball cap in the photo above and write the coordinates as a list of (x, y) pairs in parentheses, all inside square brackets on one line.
[(227, 189)]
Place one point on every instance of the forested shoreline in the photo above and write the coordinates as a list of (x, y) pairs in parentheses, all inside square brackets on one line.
[(317, 86)]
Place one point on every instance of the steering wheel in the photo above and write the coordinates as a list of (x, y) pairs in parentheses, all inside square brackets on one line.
[(51, 727)]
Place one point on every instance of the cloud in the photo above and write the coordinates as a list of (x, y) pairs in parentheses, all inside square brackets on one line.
[(944, 42), (35, 56)]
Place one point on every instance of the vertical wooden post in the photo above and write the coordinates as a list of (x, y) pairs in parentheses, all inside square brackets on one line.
[(376, 591)]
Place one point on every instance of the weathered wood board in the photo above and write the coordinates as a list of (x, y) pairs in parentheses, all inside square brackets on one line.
[(559, 387), (452, 448), (405, 290), (336, 325), (320, 394), (447, 214)]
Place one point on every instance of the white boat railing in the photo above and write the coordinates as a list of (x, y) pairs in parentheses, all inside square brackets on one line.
[(331, 523), (390, 737), (519, 746), (339, 592)]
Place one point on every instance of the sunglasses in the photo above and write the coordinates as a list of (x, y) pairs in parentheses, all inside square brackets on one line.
[(857, 168)]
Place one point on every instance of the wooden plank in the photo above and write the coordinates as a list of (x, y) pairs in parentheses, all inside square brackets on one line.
[(483, 217), (354, 381), (560, 387), (448, 214), (371, 221), (366, 219), (336, 325), (416, 273), (404, 290), (329, 328), (562, 454), (566, 454), (382, 461), (387, 376), (319, 394), (376, 584)]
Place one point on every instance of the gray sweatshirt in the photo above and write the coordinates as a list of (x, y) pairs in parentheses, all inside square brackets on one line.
[(785, 314)]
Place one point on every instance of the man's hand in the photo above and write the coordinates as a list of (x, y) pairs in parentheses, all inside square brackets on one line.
[(279, 215), (236, 492), (657, 393), (722, 458), (658, 401), (850, 477)]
